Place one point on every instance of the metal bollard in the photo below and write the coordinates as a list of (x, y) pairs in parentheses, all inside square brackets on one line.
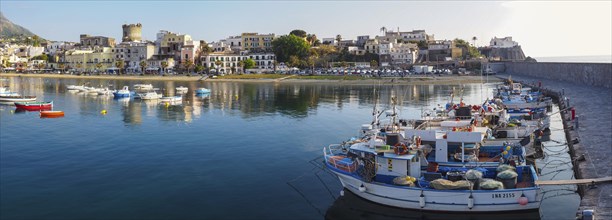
[(576, 127)]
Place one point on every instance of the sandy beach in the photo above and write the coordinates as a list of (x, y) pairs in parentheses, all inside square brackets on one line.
[(411, 80)]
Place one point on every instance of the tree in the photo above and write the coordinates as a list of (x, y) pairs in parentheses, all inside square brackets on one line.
[(36, 41), (472, 51), (62, 67), (383, 29), (188, 64), (40, 66), (120, 65), (241, 65), (41, 57), (143, 65), (275, 64), (204, 49), (299, 33), (164, 65), (373, 64), (294, 61), (338, 38), (474, 38), (249, 63), (98, 66), (312, 39), (218, 64), (311, 61), (290, 45), (199, 68)]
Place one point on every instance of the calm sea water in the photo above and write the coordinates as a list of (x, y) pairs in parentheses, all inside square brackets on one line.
[(247, 151)]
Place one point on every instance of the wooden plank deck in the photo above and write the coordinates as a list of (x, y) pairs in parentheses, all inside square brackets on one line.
[(576, 181)]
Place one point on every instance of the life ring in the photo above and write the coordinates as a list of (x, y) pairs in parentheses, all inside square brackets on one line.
[(400, 149)]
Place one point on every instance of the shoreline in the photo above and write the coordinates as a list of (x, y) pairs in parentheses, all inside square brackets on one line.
[(411, 80)]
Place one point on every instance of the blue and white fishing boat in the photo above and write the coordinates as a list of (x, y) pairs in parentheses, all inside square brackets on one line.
[(202, 91), (385, 167), (390, 178), (124, 92)]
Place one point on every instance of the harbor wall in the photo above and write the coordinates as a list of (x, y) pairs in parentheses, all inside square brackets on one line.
[(590, 74)]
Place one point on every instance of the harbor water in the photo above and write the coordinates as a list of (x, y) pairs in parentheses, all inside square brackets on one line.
[(246, 151)]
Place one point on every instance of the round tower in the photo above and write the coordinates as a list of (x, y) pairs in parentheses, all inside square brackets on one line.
[(132, 32)]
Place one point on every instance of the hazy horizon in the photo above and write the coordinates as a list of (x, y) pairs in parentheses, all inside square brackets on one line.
[(543, 29)]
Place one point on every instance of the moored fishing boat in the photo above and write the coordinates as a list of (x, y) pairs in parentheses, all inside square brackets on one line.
[(202, 91), (17, 98), (34, 106), (124, 92), (151, 95), (51, 114), (143, 87)]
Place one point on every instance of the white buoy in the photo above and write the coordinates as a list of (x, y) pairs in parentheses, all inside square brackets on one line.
[(471, 202), (341, 192), (422, 200), (362, 188)]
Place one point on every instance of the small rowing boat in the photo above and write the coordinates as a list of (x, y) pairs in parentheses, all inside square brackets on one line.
[(51, 114), (34, 106)]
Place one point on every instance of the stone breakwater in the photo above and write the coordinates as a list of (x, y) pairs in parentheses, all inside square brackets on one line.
[(592, 74), (588, 136)]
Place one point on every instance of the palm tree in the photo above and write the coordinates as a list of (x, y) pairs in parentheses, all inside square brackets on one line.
[(338, 38), (384, 30), (474, 38), (373, 64), (275, 64), (164, 65), (218, 64), (311, 38), (98, 66), (241, 65), (143, 65), (188, 64), (40, 66), (120, 64)]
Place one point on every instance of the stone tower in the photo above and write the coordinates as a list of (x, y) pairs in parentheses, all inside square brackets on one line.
[(132, 32)]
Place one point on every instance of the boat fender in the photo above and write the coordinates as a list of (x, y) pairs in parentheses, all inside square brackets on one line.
[(362, 188), (471, 202), (422, 200), (341, 192), (103, 112), (523, 200), (400, 149)]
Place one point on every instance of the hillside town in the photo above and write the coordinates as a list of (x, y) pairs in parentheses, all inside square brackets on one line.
[(296, 52)]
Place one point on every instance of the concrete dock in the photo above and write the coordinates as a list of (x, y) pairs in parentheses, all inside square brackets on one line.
[(592, 138)]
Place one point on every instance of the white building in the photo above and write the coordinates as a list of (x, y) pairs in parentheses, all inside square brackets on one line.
[(156, 64), (330, 40), (385, 47), (30, 51), (415, 35), (403, 54), (228, 63), (505, 42), (58, 47), (441, 45), (234, 42), (263, 61), (132, 53)]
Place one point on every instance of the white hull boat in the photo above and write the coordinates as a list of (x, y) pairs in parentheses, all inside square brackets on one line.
[(443, 200), (182, 89), (149, 96), (171, 99)]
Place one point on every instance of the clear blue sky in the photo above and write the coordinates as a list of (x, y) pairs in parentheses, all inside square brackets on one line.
[(542, 28)]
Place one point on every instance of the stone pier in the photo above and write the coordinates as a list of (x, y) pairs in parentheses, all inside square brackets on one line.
[(591, 143)]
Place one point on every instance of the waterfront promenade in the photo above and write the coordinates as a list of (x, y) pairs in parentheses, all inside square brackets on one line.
[(408, 80), (593, 109)]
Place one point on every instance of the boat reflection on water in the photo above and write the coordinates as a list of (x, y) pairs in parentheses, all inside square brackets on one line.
[(351, 206)]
